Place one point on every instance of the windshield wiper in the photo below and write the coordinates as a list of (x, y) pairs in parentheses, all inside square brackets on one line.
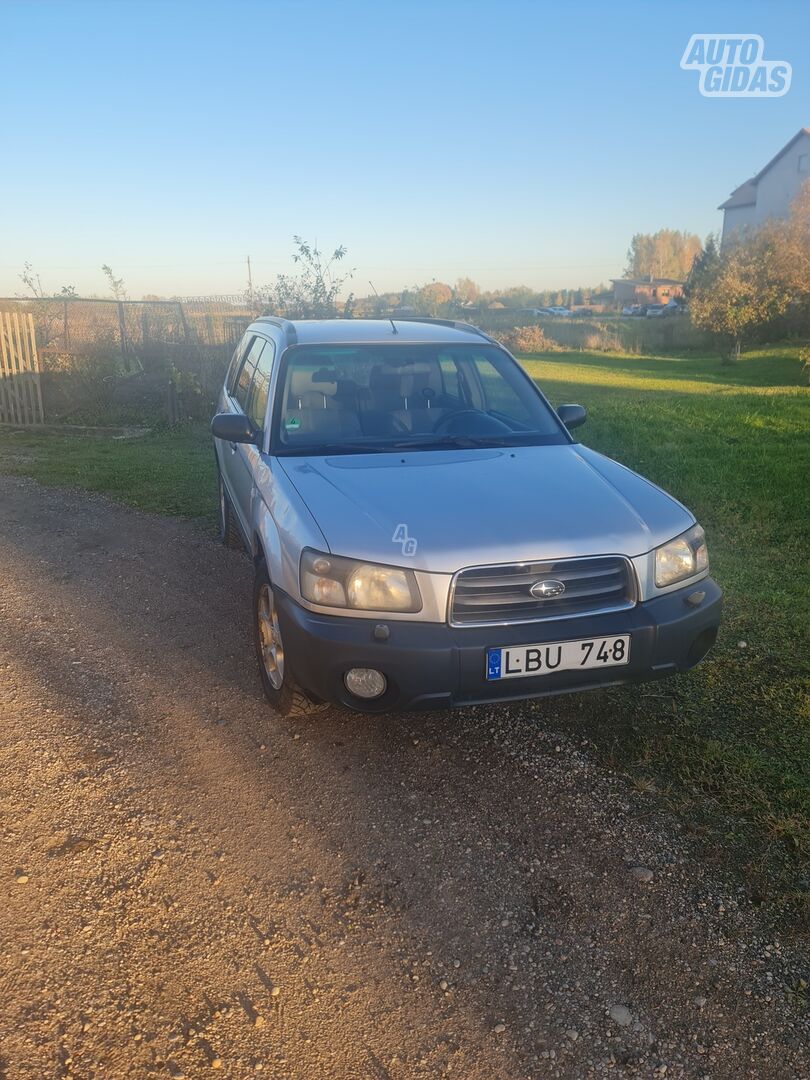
[(424, 442), (321, 449), (453, 442)]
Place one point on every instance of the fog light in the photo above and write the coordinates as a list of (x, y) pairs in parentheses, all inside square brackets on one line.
[(365, 682)]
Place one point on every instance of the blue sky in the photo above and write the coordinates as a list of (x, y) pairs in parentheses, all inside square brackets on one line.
[(514, 142)]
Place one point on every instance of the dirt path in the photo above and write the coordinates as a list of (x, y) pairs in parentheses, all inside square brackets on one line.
[(189, 883)]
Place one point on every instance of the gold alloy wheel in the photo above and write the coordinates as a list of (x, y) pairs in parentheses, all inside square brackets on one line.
[(270, 636)]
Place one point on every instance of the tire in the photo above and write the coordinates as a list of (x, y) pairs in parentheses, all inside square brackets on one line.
[(229, 532), (280, 688)]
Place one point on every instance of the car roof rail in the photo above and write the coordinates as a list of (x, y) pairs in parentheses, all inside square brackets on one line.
[(283, 324), (455, 324)]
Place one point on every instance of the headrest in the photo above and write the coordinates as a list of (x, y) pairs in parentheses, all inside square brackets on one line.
[(302, 382), (415, 382), (325, 375), (383, 378), (402, 381), (415, 368)]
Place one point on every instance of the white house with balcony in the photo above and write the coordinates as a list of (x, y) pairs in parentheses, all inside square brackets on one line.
[(769, 193)]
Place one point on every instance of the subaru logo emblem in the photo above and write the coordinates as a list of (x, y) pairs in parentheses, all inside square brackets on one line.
[(547, 590)]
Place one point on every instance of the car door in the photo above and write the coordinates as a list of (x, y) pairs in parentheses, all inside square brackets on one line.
[(240, 459), (256, 410)]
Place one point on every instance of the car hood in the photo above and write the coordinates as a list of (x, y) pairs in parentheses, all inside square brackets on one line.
[(473, 507)]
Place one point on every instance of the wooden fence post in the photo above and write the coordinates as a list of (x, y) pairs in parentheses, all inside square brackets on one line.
[(8, 401), (32, 341), (17, 368), (20, 389)]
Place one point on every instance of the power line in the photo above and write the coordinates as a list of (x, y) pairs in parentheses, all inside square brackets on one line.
[(373, 266)]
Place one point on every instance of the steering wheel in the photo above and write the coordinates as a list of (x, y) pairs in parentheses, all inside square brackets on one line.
[(451, 417), (471, 422)]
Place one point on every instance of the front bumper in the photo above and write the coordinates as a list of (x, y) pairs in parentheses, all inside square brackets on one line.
[(434, 666)]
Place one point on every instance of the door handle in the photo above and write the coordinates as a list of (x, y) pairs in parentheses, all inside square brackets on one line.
[(233, 447)]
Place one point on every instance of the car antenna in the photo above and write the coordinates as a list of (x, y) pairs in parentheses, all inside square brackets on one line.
[(393, 325)]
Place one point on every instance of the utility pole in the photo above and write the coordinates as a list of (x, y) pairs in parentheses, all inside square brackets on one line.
[(250, 281)]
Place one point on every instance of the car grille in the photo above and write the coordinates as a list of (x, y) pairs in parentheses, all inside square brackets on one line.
[(499, 594)]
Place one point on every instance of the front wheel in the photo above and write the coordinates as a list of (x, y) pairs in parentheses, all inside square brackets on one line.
[(280, 688)]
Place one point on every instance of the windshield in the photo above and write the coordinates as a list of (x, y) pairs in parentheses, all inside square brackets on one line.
[(386, 397)]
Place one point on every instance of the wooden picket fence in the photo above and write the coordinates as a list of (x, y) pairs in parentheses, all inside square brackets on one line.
[(20, 389)]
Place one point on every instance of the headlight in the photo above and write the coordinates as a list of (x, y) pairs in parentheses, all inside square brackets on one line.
[(333, 581), (681, 558)]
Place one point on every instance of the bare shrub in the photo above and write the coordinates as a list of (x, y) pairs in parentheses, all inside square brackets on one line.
[(528, 339), (602, 340), (71, 383)]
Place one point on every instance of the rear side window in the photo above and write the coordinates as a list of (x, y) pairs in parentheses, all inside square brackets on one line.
[(260, 387), (450, 377), (245, 376)]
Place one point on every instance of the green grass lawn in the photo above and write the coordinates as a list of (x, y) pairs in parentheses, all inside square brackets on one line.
[(167, 472), (728, 744), (732, 737)]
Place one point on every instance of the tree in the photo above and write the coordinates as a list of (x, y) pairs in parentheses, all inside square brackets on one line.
[(30, 278), (466, 291), (434, 296), (667, 253), (792, 242), (433, 299), (704, 267), (312, 294), (735, 295), (376, 304), (117, 287), (517, 296)]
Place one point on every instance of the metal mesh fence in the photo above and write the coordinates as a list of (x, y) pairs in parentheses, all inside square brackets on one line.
[(135, 329), (125, 359)]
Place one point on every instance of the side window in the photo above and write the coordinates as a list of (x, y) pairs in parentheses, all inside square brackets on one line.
[(245, 375), (233, 367), (450, 379), (260, 387), (499, 396)]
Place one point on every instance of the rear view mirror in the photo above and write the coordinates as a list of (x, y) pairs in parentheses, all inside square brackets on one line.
[(572, 416), (233, 428)]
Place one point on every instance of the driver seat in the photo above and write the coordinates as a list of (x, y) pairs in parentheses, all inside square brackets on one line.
[(418, 411)]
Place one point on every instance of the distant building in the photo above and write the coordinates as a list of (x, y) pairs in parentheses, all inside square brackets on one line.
[(769, 193), (645, 290)]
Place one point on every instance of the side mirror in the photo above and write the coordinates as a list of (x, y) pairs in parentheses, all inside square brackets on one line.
[(233, 428), (572, 416)]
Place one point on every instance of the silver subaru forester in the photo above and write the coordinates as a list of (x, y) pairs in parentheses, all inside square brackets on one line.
[(427, 533)]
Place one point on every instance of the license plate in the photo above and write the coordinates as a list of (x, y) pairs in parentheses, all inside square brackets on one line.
[(520, 661)]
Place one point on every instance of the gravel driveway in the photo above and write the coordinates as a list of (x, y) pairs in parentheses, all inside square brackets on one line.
[(190, 883)]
